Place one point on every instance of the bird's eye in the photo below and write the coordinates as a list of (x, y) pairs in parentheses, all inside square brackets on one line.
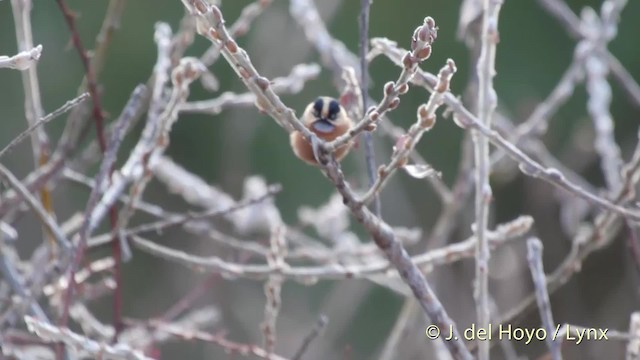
[(334, 109), (317, 107)]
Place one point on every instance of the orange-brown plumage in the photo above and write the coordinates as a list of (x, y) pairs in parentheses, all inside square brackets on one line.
[(328, 120)]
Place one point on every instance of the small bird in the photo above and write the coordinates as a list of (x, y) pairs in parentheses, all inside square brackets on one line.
[(326, 118)]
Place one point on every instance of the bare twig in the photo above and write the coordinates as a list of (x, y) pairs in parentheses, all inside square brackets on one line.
[(440, 188), (534, 257), (599, 90), (423, 38), (363, 46), (240, 27), (426, 119), (35, 205), (162, 36), (110, 24), (152, 143), (464, 119), (30, 82), (290, 84), (81, 345), (161, 225), (561, 11), (633, 347), (606, 226), (315, 332), (33, 103), (42, 121), (89, 223), (98, 116), (273, 287), (22, 60), (311, 274), (408, 313), (92, 86), (189, 298), (487, 102)]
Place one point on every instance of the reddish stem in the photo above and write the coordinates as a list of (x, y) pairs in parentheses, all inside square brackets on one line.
[(98, 116)]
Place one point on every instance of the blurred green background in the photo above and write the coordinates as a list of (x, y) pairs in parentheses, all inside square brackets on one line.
[(533, 53)]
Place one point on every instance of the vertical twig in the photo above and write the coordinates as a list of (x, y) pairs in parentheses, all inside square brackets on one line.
[(601, 30), (110, 24), (98, 116), (370, 157), (534, 257), (633, 347), (162, 37), (88, 226), (273, 286), (487, 101), (33, 102)]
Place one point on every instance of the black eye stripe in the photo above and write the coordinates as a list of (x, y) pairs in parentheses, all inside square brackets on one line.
[(334, 109), (317, 106)]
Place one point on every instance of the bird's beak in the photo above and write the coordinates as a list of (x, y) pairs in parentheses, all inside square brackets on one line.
[(323, 126)]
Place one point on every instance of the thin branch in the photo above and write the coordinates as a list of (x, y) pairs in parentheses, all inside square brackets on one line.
[(440, 188), (82, 346), (426, 119), (189, 298), (487, 102), (633, 347), (30, 82), (273, 287), (534, 257), (606, 227), (599, 90), (98, 116), (562, 12), (423, 38), (178, 220), (35, 205), (408, 314), (363, 46), (92, 86), (110, 24), (42, 121), (239, 28), (315, 332), (152, 143), (465, 120), (162, 36), (386, 240), (33, 102), (102, 179), (625, 79), (310, 274), (22, 60), (290, 84)]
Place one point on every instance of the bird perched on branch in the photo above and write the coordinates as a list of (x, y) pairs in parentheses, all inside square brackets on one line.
[(326, 118)]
